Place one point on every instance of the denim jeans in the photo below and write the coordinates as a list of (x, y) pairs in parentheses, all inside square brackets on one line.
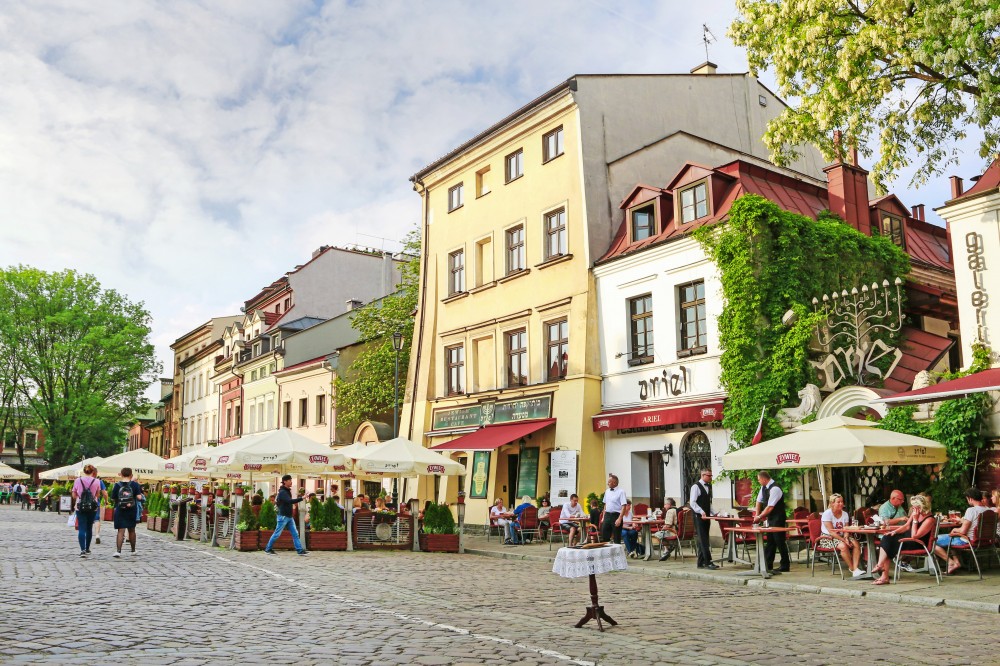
[(511, 528), (631, 539), (85, 528), (283, 522)]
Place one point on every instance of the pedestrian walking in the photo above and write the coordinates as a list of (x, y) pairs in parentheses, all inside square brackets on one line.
[(97, 515), (614, 502), (125, 494), (284, 504), (771, 507), (86, 495), (701, 504)]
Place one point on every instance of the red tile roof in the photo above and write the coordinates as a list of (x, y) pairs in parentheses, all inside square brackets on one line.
[(988, 181), (979, 382), (921, 351), (303, 364), (928, 244)]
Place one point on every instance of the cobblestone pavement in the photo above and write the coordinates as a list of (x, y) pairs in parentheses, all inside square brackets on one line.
[(181, 603)]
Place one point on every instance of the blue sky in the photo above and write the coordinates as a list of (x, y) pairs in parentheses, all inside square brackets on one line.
[(188, 153)]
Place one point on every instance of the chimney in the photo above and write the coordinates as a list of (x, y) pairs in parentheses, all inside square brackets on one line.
[(706, 67), (353, 304), (956, 187), (320, 250), (847, 188), (390, 277), (920, 209)]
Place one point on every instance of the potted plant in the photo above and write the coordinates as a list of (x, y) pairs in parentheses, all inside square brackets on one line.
[(439, 534), (326, 529), (247, 532), (107, 509)]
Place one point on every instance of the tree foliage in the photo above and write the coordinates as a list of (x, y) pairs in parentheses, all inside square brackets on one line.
[(771, 261), (365, 390), (82, 355), (913, 74)]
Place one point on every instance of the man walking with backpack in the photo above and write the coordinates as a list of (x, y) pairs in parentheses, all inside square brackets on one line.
[(125, 495), (284, 504), (87, 493)]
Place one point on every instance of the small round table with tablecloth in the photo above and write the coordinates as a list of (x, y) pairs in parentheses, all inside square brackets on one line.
[(579, 562)]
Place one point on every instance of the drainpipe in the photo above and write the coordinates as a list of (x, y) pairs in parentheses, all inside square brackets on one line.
[(423, 293)]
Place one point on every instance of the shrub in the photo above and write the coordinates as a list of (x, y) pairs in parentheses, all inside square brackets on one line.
[(332, 515), (247, 521), (438, 520), (317, 516), (268, 517)]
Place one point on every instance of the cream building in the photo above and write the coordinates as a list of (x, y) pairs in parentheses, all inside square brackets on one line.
[(506, 373)]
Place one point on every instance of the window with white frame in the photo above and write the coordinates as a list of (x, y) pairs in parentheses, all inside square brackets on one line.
[(643, 223), (557, 345), (515, 249), (456, 197), (456, 272), (693, 336), (455, 369), (514, 165), (552, 144), (517, 357), (320, 409), (555, 233), (640, 310), (694, 202)]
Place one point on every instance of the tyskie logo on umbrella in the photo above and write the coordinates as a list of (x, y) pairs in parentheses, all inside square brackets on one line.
[(785, 458), (324, 460), (223, 460), (435, 469)]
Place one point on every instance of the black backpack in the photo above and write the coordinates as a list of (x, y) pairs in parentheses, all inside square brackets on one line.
[(87, 502), (126, 498)]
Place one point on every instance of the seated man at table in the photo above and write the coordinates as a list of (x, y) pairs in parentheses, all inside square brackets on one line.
[(892, 512), (964, 533), (669, 528), (569, 517)]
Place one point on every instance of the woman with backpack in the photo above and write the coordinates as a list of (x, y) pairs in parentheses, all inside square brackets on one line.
[(87, 493), (125, 495)]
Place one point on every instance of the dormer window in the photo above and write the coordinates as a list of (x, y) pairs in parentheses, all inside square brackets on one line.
[(892, 227), (694, 202), (643, 222)]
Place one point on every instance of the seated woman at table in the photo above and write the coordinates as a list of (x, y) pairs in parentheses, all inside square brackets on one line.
[(834, 520), (543, 519), (630, 533), (499, 515), (917, 525), (570, 515)]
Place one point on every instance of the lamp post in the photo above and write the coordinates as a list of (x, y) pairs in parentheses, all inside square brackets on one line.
[(668, 450), (397, 344)]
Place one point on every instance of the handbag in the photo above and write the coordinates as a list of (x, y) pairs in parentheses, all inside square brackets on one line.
[(71, 521)]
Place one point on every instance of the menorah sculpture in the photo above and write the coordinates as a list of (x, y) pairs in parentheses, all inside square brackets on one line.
[(853, 319)]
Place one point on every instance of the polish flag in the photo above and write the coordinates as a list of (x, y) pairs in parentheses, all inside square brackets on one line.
[(759, 435)]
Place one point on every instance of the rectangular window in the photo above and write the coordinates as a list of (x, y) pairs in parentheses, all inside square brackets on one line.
[(693, 337), (456, 272), (555, 233), (277, 309), (256, 349), (30, 439), (253, 375), (515, 249), (892, 227), (514, 166), (552, 144), (455, 371), (694, 203), (229, 420), (557, 342), (260, 417), (456, 199), (640, 310), (517, 358), (288, 304), (643, 223), (320, 409), (238, 420), (303, 411), (483, 181), (286, 414), (252, 421)]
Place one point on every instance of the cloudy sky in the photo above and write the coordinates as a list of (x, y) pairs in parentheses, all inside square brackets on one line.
[(188, 153)]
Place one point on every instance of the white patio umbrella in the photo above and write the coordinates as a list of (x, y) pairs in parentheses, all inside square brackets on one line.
[(187, 465), (144, 465), (69, 471), (837, 441), (401, 457), (8, 472), (279, 452)]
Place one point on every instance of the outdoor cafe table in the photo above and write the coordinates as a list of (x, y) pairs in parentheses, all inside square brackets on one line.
[(581, 523), (731, 550), (759, 567), (869, 534), (579, 562), (646, 525)]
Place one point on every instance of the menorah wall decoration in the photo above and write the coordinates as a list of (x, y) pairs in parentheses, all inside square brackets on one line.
[(847, 336)]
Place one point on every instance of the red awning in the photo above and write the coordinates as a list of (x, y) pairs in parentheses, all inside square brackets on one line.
[(980, 382), (493, 437), (620, 419)]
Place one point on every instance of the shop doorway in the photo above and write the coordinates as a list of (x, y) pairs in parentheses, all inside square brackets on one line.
[(512, 465), (657, 489), (696, 455)]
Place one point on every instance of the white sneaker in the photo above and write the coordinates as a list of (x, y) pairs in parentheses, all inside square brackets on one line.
[(116, 554), (905, 566), (858, 573)]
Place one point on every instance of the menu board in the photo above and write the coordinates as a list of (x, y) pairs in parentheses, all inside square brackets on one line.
[(563, 480), (480, 474), (527, 473)]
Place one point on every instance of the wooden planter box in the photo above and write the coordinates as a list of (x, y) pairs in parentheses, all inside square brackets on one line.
[(150, 523), (284, 542), (160, 524), (325, 540), (246, 540), (439, 543), (108, 514)]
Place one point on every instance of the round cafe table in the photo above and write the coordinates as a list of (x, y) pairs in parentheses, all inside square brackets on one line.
[(579, 562), (869, 533), (759, 568)]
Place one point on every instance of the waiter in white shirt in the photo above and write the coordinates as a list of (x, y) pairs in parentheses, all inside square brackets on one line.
[(771, 507), (614, 501), (701, 504)]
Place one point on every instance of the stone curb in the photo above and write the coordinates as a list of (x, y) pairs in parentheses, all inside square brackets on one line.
[(889, 597)]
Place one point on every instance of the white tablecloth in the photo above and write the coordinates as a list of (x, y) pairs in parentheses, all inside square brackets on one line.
[(577, 562)]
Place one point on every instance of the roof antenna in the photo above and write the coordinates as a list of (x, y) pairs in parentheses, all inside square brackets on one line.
[(707, 38)]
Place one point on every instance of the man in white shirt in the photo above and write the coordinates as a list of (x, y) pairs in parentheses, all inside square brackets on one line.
[(701, 504), (771, 507), (964, 533), (570, 517), (614, 502)]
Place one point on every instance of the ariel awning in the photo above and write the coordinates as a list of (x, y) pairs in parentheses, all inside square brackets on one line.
[(688, 412), (979, 382), (493, 437)]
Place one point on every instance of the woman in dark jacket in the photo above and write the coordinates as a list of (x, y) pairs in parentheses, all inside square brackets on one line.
[(126, 495)]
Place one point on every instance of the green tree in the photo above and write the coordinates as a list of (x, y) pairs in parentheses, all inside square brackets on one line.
[(913, 74), (366, 389), (84, 358)]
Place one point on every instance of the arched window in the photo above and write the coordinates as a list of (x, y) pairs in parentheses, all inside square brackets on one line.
[(696, 456)]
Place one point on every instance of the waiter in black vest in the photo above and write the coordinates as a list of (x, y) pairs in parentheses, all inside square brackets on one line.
[(701, 504), (771, 507)]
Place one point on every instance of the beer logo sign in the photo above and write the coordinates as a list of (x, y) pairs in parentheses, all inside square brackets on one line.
[(223, 460), (319, 459), (253, 467), (709, 413), (169, 465), (435, 469), (785, 458)]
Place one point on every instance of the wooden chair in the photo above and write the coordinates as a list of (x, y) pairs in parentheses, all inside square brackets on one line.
[(986, 540), (924, 547), (815, 534)]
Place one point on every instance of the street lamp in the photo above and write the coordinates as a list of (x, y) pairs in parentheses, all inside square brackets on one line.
[(668, 450), (397, 344)]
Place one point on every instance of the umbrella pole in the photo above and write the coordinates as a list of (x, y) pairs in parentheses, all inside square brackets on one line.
[(821, 475)]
